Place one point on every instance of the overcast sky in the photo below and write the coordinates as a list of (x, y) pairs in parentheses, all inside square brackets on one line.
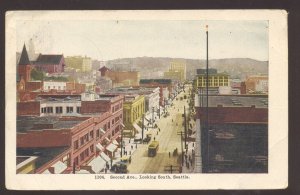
[(105, 40)]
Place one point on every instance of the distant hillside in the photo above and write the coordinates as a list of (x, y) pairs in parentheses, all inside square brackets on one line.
[(151, 67)]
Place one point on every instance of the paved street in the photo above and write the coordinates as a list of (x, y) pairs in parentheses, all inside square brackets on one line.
[(168, 140)]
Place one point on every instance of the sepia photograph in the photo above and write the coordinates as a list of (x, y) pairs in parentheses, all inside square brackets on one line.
[(125, 96)]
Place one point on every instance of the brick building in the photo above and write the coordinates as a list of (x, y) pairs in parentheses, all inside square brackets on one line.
[(166, 88), (257, 84), (234, 137), (151, 94), (50, 63), (121, 78), (24, 68)]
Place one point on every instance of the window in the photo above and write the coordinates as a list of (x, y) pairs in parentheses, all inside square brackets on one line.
[(78, 109), (49, 109), (92, 148), (98, 133), (69, 109), (92, 134), (48, 87), (58, 87), (81, 156), (108, 124), (86, 137), (81, 141), (58, 109), (76, 144), (87, 152), (113, 121)]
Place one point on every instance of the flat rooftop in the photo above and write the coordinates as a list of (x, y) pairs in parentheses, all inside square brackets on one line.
[(25, 123), (237, 101), (43, 155)]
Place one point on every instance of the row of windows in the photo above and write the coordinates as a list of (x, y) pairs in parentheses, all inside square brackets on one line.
[(84, 139), (54, 87), (117, 107), (83, 155), (59, 109)]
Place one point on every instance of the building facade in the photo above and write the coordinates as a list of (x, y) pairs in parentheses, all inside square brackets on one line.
[(121, 78), (50, 63), (257, 84), (133, 109), (83, 64)]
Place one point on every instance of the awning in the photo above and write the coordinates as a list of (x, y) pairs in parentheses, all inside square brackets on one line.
[(105, 157), (111, 147), (46, 172), (97, 164), (82, 171), (102, 131), (99, 147), (122, 125), (115, 142), (59, 167), (107, 139), (138, 128)]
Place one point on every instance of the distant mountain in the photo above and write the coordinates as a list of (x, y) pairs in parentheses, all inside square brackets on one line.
[(153, 67)]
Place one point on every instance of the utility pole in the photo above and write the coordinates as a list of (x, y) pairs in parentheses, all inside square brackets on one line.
[(185, 132), (152, 117), (207, 123), (181, 134), (143, 126), (121, 143)]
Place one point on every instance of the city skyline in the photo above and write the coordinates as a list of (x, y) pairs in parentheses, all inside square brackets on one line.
[(107, 40)]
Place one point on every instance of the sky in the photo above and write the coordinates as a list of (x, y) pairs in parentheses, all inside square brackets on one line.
[(107, 40)]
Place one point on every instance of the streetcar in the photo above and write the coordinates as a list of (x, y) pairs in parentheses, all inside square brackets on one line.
[(153, 148)]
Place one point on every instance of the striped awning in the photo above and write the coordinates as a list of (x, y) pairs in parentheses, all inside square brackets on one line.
[(138, 128), (99, 147), (104, 156), (115, 142), (59, 167), (111, 147), (97, 164)]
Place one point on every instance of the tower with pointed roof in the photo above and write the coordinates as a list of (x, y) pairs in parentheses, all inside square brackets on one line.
[(24, 66)]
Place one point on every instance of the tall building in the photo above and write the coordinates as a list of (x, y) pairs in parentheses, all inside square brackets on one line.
[(215, 80), (177, 71), (133, 109), (179, 66), (84, 64)]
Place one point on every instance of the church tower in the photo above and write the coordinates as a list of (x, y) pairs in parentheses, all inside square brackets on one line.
[(24, 66)]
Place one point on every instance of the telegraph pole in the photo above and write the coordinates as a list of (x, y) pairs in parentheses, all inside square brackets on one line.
[(185, 132), (152, 117), (143, 126), (207, 123)]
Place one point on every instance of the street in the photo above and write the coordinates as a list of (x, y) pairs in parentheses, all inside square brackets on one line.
[(169, 139)]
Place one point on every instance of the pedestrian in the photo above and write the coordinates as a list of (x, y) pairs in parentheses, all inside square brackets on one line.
[(105, 170), (129, 160), (159, 129), (169, 154), (130, 152), (193, 144), (131, 147), (135, 146), (154, 138), (156, 132)]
